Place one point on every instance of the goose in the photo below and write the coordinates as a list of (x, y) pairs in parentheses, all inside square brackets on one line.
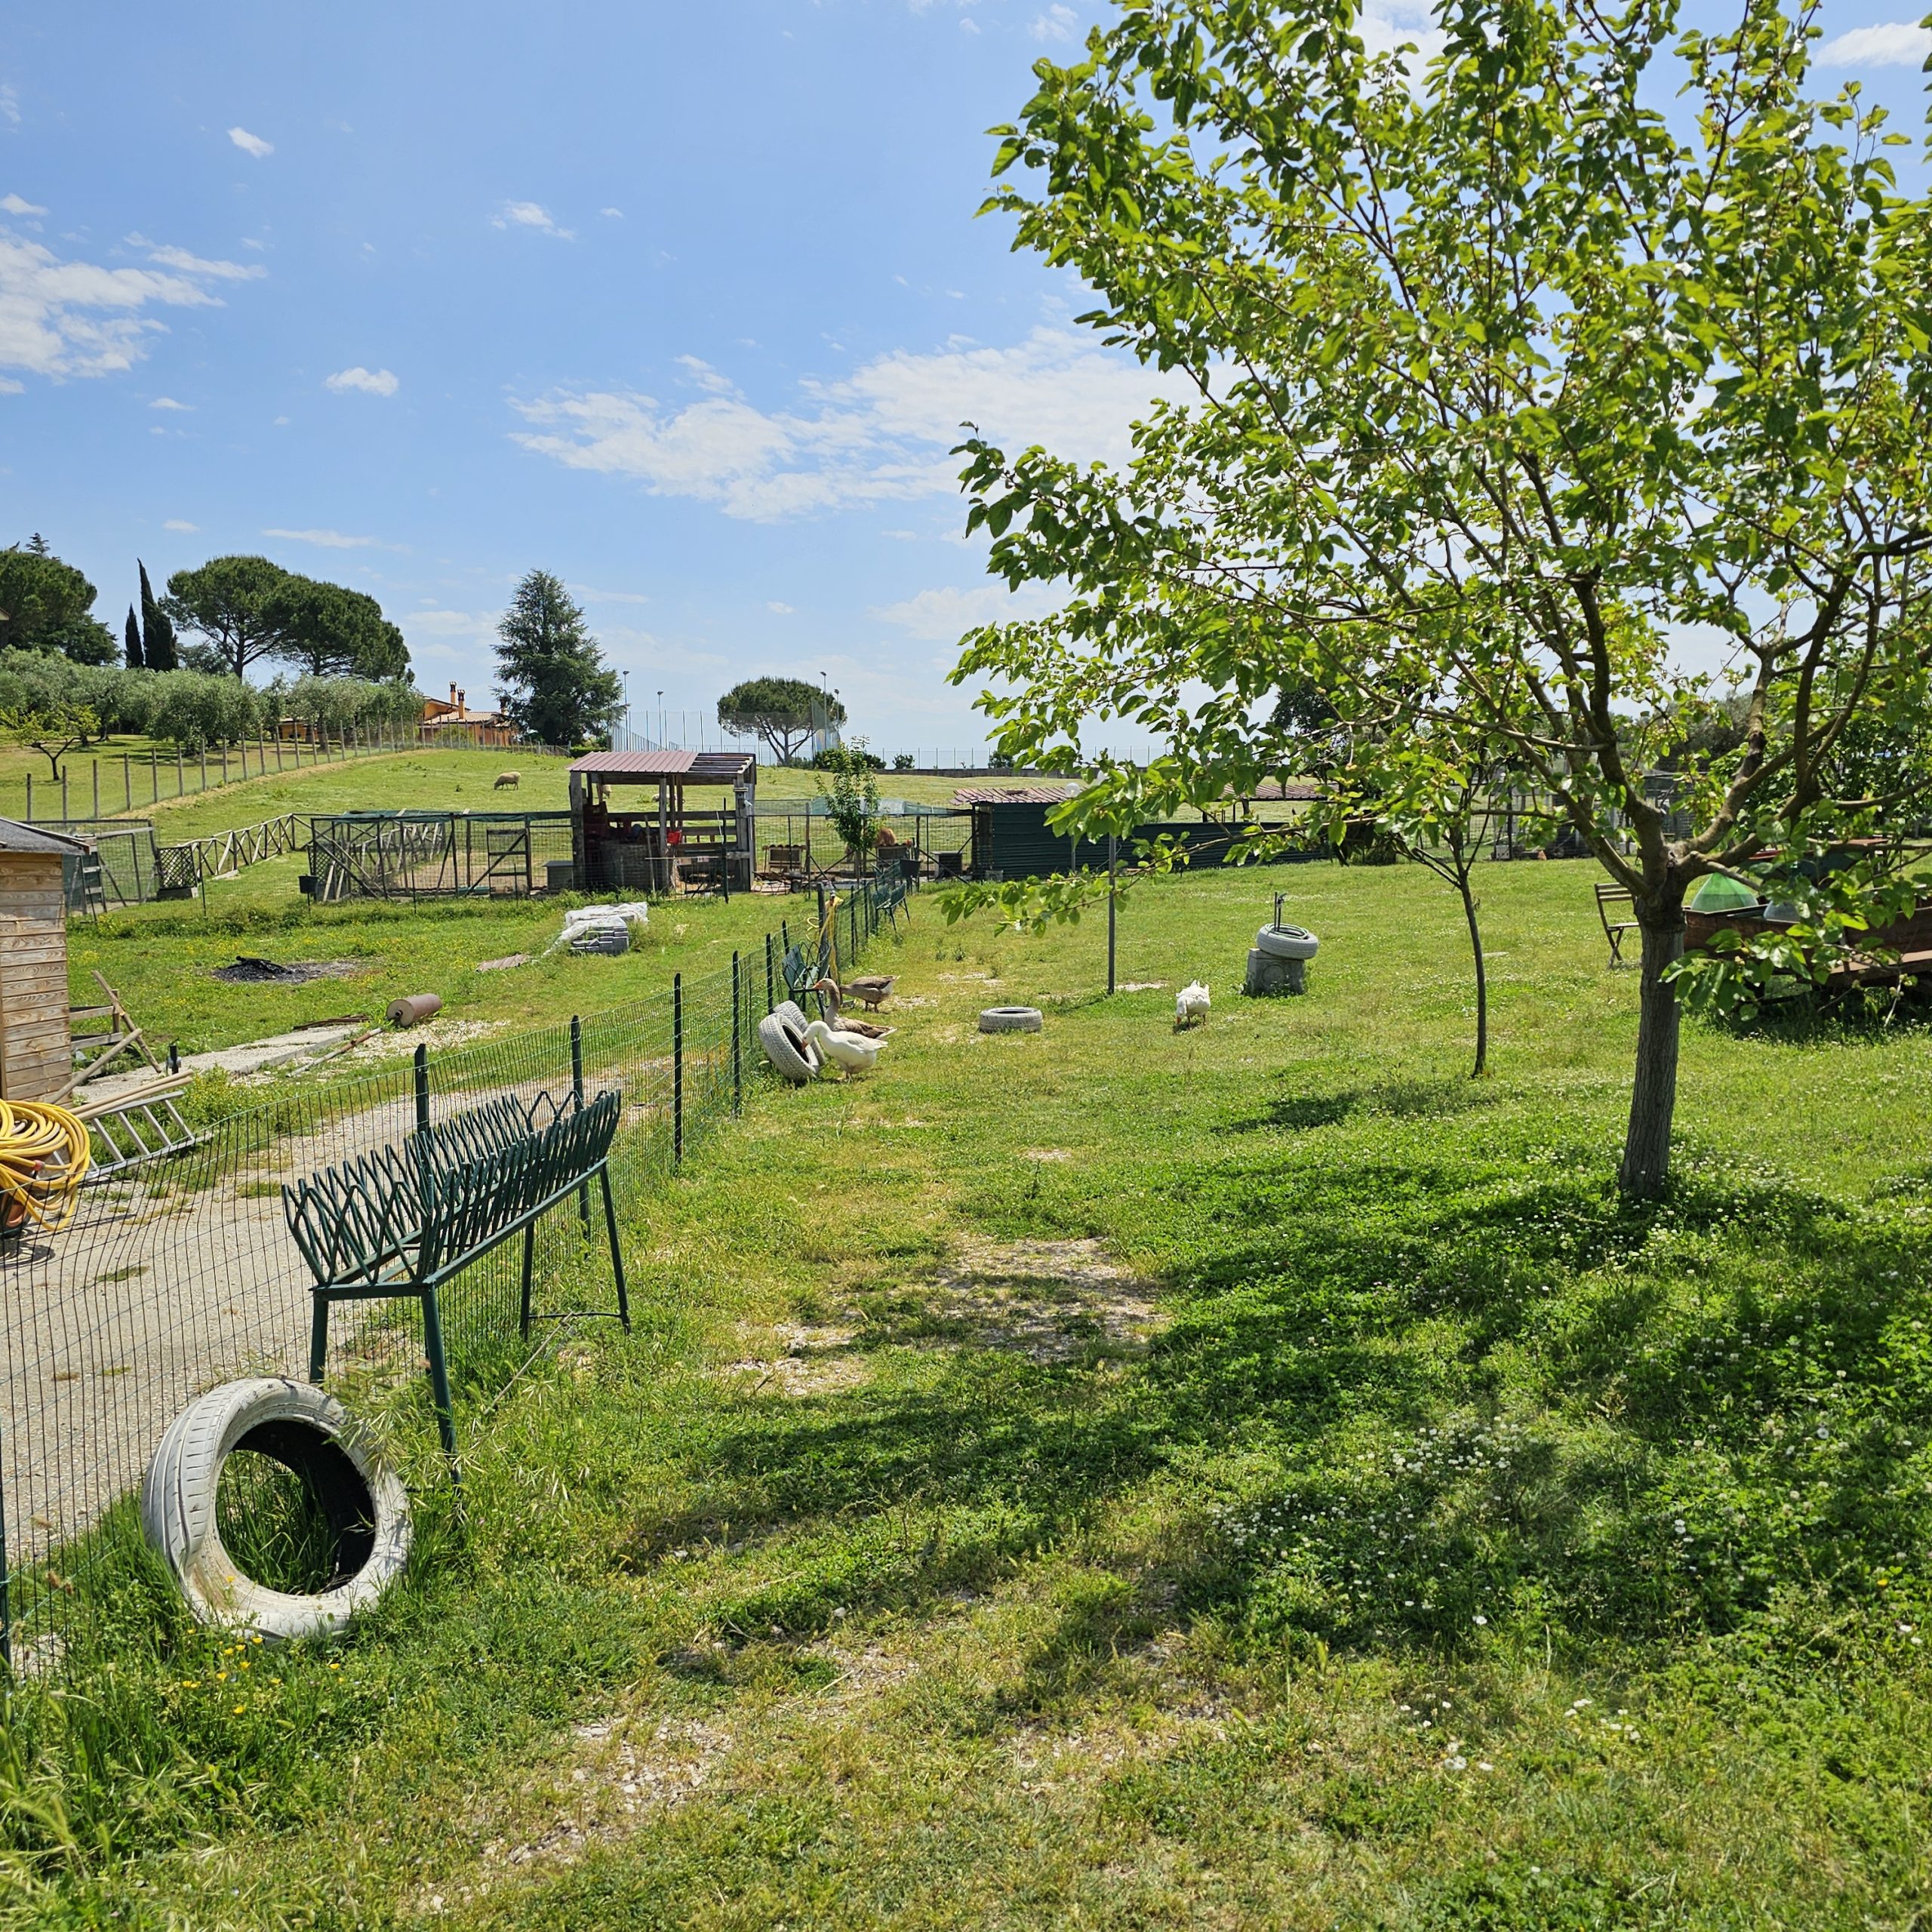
[(874, 989), (851, 1052), (842, 1022), (1190, 1004)]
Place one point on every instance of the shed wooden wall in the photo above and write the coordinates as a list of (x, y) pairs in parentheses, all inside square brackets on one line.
[(36, 1055)]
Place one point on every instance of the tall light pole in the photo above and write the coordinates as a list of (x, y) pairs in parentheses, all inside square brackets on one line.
[(660, 721), (627, 704)]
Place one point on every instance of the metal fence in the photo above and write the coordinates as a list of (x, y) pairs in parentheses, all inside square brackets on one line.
[(793, 841), (434, 854), (181, 1274)]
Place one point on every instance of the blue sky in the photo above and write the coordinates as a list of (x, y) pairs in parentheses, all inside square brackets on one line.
[(684, 304)]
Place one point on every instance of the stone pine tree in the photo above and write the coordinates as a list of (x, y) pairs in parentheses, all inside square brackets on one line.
[(157, 650), (131, 641), (553, 681), (782, 713), (1486, 382)]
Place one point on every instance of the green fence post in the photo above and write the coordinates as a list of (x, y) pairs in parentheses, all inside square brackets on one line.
[(421, 1088), (737, 1040), (770, 989), (677, 1067), (577, 1088)]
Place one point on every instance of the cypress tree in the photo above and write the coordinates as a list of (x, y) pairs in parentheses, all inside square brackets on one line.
[(159, 654), (135, 660)]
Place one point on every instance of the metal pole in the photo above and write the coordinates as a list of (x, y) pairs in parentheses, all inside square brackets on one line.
[(96, 788), (64, 814), (127, 783), (770, 989), (1113, 849), (30, 797), (421, 1088), (577, 1088), (677, 1066), (737, 1040)]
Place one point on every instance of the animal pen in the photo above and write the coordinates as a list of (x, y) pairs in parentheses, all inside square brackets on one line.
[(188, 1268), (412, 855), (634, 828)]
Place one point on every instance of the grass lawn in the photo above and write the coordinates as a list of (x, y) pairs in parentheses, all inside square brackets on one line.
[(162, 958), (1246, 1477)]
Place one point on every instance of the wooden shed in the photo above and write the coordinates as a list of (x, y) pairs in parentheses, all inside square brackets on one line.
[(36, 1052)]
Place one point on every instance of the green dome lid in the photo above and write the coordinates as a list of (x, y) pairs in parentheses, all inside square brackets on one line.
[(1716, 893)]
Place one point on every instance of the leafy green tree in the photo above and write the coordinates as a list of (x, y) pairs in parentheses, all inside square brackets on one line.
[(196, 709), (851, 800), (1499, 379), (131, 642), (48, 605), (228, 602), (781, 712), (158, 648), (555, 686), (329, 631)]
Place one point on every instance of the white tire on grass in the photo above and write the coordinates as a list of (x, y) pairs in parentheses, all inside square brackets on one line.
[(1010, 1019), (294, 1424), (788, 1049), (793, 1014), (1287, 942)]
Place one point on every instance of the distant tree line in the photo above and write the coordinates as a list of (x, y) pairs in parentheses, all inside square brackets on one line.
[(233, 611), (60, 706)]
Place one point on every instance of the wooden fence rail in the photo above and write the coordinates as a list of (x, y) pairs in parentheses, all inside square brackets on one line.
[(223, 854)]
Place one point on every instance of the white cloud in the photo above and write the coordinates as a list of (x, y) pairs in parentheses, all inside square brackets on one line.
[(1386, 25), (945, 616), (179, 258), (168, 402), (881, 434), (1056, 23), (181, 523), (612, 214), (370, 381), (250, 144), (783, 610), (9, 105), (1892, 44), (74, 318), (333, 540), (18, 204), (530, 214)]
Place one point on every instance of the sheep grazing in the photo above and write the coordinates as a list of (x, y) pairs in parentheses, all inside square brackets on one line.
[(1190, 1003), (510, 779)]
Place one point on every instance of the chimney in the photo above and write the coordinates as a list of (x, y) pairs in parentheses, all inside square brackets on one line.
[(462, 704), (452, 694)]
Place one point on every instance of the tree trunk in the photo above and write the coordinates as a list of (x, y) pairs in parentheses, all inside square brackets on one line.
[(1481, 1066), (1646, 1169)]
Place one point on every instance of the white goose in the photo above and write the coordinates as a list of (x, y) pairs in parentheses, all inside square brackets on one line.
[(1190, 1004), (851, 1051)]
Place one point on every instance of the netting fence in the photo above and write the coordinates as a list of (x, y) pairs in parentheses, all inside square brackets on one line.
[(182, 1274)]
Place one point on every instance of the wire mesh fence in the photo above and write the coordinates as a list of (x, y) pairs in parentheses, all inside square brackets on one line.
[(182, 1273)]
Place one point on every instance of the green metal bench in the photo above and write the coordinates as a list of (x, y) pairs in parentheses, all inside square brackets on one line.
[(398, 1222)]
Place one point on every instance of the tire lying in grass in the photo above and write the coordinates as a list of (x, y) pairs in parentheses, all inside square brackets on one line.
[(339, 1513), (787, 1048), (1287, 942), (793, 1015), (1010, 1019)]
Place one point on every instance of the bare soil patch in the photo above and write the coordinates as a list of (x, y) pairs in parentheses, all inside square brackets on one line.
[(1050, 1300)]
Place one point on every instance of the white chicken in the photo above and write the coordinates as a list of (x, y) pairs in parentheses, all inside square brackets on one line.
[(851, 1052), (1190, 1004)]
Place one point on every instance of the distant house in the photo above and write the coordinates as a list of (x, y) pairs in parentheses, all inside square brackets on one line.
[(455, 722)]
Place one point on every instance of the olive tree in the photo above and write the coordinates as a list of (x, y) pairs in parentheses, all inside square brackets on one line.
[(1503, 389)]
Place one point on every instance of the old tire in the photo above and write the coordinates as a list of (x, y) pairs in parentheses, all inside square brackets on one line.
[(793, 1015), (1287, 942), (788, 1049), (1010, 1019), (295, 1424)]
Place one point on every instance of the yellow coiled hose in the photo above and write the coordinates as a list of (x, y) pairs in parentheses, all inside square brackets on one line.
[(44, 1156)]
